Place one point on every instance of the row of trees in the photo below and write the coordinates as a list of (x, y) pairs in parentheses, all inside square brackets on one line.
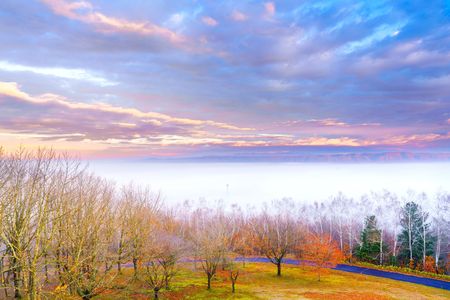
[(417, 241), (413, 231), (65, 230)]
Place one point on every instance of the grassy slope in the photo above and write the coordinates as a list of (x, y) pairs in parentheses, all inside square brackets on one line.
[(258, 281)]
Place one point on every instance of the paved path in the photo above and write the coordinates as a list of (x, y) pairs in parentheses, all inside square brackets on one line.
[(436, 283)]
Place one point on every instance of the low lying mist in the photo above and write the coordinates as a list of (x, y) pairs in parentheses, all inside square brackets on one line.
[(256, 183)]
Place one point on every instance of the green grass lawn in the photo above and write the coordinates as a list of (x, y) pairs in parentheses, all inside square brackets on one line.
[(258, 281)]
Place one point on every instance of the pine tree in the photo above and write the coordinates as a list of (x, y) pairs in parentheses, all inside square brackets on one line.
[(369, 248), (415, 238)]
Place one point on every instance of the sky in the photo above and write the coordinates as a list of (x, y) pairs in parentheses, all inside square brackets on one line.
[(227, 79)]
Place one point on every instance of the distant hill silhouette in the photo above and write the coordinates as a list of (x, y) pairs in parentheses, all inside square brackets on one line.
[(331, 157)]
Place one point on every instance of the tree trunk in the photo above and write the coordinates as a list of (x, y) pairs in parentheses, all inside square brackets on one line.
[(195, 261), (209, 281), (381, 247), (350, 241), (410, 236), (32, 293), (135, 267), (424, 241), (438, 248), (279, 268), (46, 267), (4, 277), (58, 264), (119, 258), (16, 279), (232, 287), (224, 264), (394, 251), (156, 291)]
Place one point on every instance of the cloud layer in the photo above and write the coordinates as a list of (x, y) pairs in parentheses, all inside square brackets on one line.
[(225, 77)]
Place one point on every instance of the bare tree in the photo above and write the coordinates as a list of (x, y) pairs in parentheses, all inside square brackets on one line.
[(339, 212), (170, 244), (162, 252), (122, 216), (211, 237), (384, 219), (85, 260), (26, 210), (275, 233), (393, 216), (233, 271), (424, 230), (154, 276), (141, 205), (241, 241), (441, 218)]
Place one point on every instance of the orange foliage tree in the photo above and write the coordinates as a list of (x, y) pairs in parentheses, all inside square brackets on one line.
[(242, 242), (322, 252), (430, 265)]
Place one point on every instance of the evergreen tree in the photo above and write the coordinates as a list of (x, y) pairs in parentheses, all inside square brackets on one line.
[(415, 237), (369, 248)]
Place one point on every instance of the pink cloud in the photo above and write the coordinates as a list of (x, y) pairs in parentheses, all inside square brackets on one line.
[(83, 11), (415, 139), (50, 117), (328, 122), (411, 53), (270, 8), (238, 16), (12, 89), (209, 21), (323, 141)]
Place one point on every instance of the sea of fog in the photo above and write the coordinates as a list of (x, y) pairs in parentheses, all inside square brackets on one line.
[(255, 183)]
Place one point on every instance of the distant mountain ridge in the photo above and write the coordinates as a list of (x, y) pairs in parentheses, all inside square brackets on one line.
[(332, 157)]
